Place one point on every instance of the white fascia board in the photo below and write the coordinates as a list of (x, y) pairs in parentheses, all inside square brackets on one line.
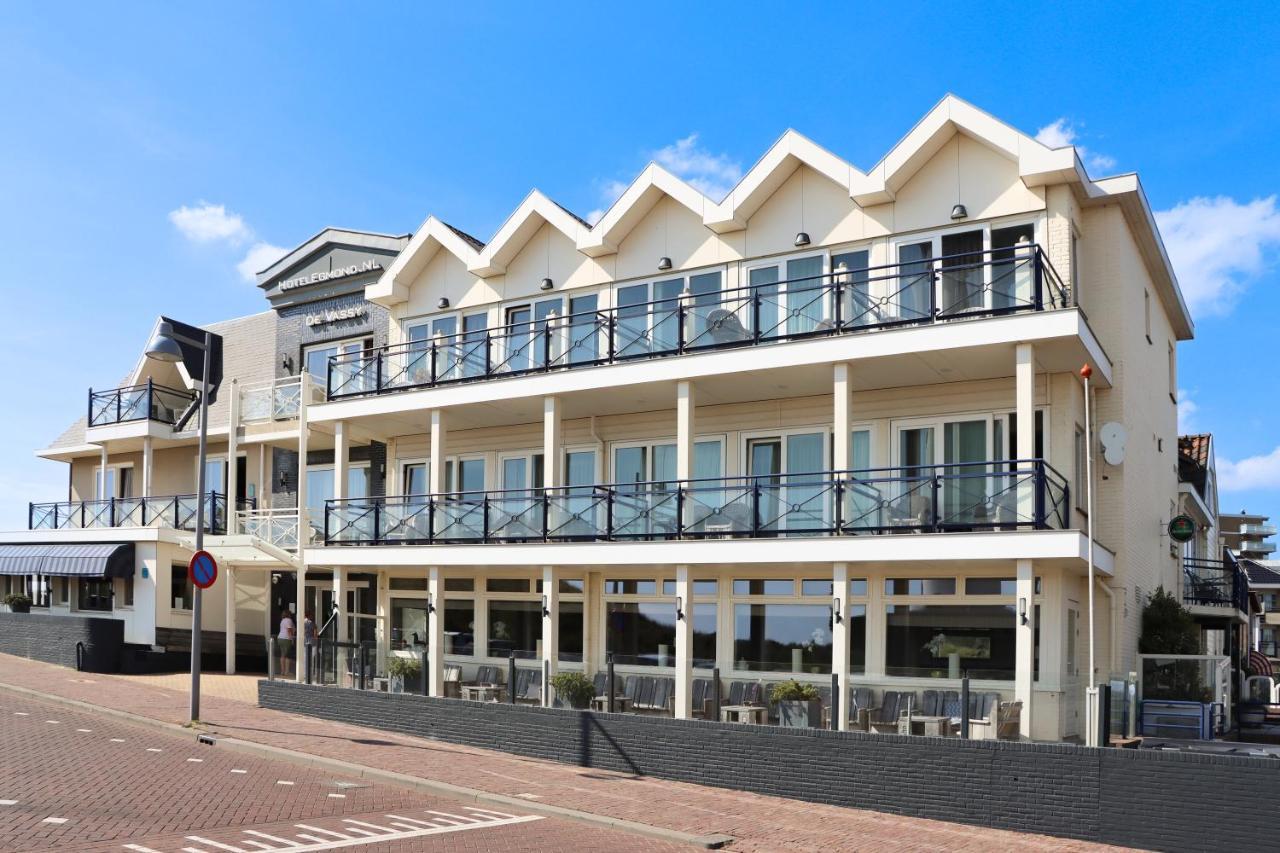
[(772, 170), (109, 535), (66, 454), (632, 206), (520, 226), (923, 547), (999, 331), (127, 430), (330, 234), (392, 286), (1196, 502)]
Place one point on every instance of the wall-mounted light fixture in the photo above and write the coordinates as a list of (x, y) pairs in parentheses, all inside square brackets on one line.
[(283, 481), (679, 609), (546, 611), (286, 363), (431, 603), (802, 239), (1022, 611), (837, 611), (959, 211), (547, 284), (443, 303), (664, 263)]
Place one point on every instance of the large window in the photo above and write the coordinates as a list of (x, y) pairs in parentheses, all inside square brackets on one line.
[(408, 623), (316, 358), (516, 627), (643, 633), (95, 594), (782, 638), (950, 640), (459, 627), (181, 593)]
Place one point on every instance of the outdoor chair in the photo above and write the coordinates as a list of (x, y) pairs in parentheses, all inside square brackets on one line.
[(725, 327), (931, 703), (893, 704), (486, 676), (528, 687), (452, 681), (703, 697), (1003, 724), (657, 695)]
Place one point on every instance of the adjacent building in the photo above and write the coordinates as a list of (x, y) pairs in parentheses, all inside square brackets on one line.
[(1249, 535), (831, 424)]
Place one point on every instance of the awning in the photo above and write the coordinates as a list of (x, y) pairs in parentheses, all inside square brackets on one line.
[(91, 560)]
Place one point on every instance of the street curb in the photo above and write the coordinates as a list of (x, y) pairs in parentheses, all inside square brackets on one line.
[(390, 777)]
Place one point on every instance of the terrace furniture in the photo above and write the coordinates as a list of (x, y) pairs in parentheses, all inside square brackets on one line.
[(528, 686), (1003, 724), (928, 725), (653, 694), (621, 704), (725, 327), (487, 675), (452, 681), (893, 704), (931, 703), (757, 714), (703, 698), (481, 692)]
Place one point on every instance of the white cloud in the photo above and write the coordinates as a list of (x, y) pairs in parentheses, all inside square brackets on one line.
[(711, 174), (208, 223), (1252, 474), (1187, 411), (610, 191), (259, 257), (1218, 245), (1062, 133)]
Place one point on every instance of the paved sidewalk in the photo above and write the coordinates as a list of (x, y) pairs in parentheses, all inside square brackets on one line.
[(756, 822)]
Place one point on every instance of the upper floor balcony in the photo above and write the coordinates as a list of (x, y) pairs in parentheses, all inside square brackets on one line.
[(145, 402), (992, 496), (694, 315), (176, 512), (1214, 583), (1258, 530)]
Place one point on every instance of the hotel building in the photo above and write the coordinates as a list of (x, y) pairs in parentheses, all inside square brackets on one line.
[(830, 424)]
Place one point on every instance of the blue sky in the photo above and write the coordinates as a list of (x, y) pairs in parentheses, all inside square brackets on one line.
[(266, 122)]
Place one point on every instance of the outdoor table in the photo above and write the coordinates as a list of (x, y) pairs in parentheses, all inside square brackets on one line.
[(758, 714), (481, 692), (923, 725), (601, 703)]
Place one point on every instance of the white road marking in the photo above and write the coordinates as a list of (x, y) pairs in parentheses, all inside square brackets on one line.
[(199, 840), (259, 845), (21, 714), (239, 771), (310, 828), (283, 782), (255, 832), (84, 731), (154, 749), (53, 722), (338, 796), (196, 760), (58, 820), (138, 848), (117, 740), (8, 802)]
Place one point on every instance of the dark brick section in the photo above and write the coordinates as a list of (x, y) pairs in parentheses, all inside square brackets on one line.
[(53, 639), (1165, 801)]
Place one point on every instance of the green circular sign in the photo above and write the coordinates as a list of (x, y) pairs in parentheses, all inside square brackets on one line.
[(1182, 528)]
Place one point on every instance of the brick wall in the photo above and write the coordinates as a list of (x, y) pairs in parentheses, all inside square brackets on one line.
[(1167, 801), (53, 639)]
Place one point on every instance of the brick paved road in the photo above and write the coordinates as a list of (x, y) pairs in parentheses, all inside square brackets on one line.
[(71, 780), (759, 823)]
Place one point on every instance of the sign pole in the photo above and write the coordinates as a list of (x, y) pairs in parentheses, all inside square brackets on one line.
[(200, 519), (1091, 703)]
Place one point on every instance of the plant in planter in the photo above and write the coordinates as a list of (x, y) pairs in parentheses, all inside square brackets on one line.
[(17, 603), (573, 688), (401, 671), (799, 705)]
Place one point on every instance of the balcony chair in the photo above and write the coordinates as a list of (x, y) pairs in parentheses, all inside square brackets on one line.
[(1002, 724), (910, 511), (725, 327)]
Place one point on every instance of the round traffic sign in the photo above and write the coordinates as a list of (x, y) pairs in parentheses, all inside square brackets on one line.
[(203, 569)]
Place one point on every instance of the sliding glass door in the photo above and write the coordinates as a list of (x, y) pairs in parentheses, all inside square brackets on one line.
[(789, 473), (958, 453), (794, 297)]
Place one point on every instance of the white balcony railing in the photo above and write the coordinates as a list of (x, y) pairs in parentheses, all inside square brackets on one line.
[(277, 400), (279, 527)]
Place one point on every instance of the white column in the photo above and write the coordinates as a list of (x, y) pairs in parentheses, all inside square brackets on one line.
[(102, 474), (231, 620), (1024, 398), (382, 605), (841, 418), (552, 413), (305, 524), (685, 403), (233, 450), (148, 465), (340, 599), (435, 631), (435, 474), (1025, 616), (299, 611), (550, 630), (341, 460), (684, 643), (840, 639)]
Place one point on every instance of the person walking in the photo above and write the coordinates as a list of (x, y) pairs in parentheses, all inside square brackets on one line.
[(310, 636), (285, 639)]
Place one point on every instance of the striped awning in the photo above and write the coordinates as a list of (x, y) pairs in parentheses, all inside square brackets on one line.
[(89, 560), (1259, 663)]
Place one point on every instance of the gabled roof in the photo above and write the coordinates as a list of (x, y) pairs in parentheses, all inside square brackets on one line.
[(522, 224), (432, 236), (649, 187), (326, 236), (1259, 574), (1195, 448)]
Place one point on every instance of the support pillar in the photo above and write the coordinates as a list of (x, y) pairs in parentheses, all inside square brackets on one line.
[(1025, 616), (102, 475), (685, 404), (550, 630), (684, 643), (435, 631), (436, 470), (306, 524), (148, 465), (552, 446), (231, 620), (299, 610), (341, 460), (840, 640), (841, 419), (233, 450), (340, 599), (1024, 398)]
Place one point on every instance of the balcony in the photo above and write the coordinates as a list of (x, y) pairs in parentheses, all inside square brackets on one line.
[(277, 400), (148, 402), (1261, 530), (177, 512), (1013, 495), (1256, 546), (1214, 583), (959, 287)]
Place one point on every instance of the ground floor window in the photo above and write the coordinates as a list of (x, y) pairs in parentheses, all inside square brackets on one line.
[(38, 587), (95, 594), (408, 624), (949, 640), (857, 639), (181, 593), (460, 627), (782, 638), (515, 627), (643, 633)]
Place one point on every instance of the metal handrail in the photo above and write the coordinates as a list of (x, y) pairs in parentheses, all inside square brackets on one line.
[(994, 495), (138, 403), (172, 511), (968, 285)]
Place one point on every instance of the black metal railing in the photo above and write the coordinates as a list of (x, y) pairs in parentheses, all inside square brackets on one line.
[(173, 511), (956, 287), (1215, 583), (148, 401), (1003, 495)]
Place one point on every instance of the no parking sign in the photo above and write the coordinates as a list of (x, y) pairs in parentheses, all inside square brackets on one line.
[(203, 569)]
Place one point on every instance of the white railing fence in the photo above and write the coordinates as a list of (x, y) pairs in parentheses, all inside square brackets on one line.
[(277, 526)]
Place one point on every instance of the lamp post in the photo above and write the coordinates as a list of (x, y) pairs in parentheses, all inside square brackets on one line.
[(1092, 737), (166, 347)]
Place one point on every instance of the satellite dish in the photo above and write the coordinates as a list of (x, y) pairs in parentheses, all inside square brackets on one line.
[(1113, 437)]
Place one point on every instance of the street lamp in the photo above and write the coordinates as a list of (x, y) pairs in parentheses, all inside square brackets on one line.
[(166, 347)]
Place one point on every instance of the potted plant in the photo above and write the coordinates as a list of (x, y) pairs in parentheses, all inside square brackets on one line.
[(402, 670), (17, 603), (573, 689), (799, 705)]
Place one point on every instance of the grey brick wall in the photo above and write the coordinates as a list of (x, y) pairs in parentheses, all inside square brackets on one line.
[(1164, 801), (53, 639)]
